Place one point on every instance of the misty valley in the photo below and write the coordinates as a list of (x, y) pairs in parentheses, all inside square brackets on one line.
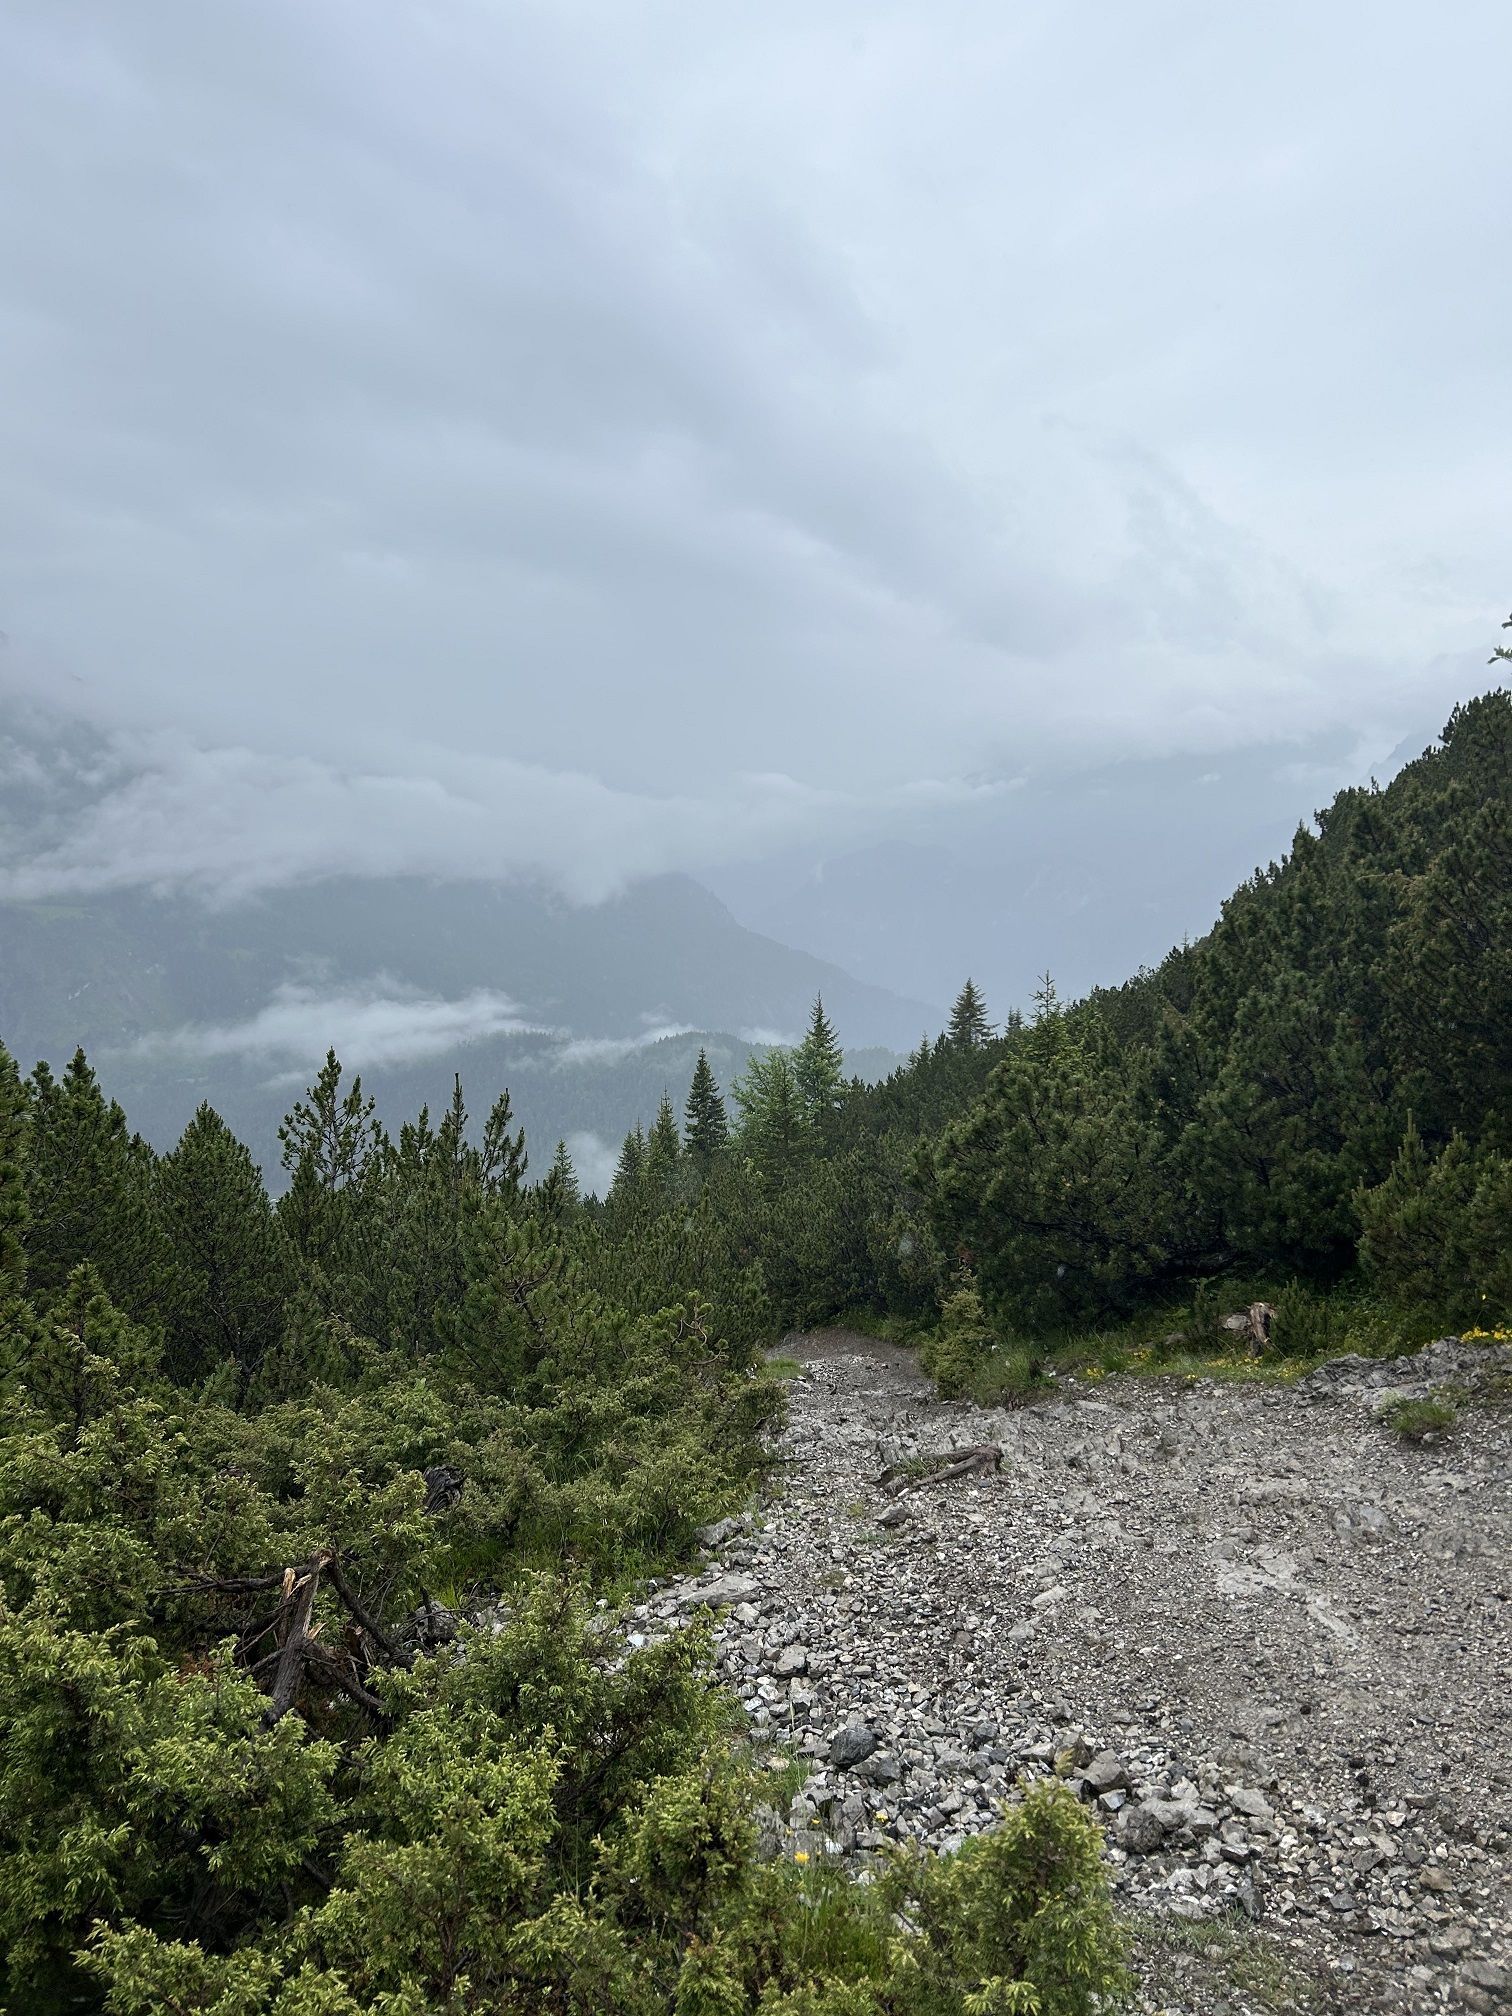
[(330, 1503)]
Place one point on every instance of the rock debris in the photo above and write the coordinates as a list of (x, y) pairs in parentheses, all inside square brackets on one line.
[(1266, 1642)]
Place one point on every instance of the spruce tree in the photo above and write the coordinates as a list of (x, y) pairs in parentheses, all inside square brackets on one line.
[(630, 1167), (706, 1126), (663, 1148), (773, 1122), (819, 1067), (232, 1256), (558, 1197), (969, 1028)]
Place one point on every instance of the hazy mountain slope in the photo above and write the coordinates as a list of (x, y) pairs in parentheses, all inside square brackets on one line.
[(1089, 875), (412, 980)]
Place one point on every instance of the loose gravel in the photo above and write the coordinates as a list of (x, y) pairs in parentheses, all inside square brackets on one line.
[(1267, 1642)]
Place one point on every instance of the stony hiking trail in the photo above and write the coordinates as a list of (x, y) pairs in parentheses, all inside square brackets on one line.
[(1270, 1645)]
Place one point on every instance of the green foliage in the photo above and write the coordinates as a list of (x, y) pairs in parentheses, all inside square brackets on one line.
[(1236, 1111), (13, 1206), (557, 1198), (1050, 1186), (502, 1160), (332, 1150), (968, 1027), (956, 1352), (663, 1151), (773, 1120), (706, 1126), (91, 1195), (1438, 1230), (1020, 1918), (232, 1260), (819, 1067), (1427, 1420)]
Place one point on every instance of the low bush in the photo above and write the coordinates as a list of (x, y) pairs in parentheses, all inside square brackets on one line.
[(1428, 1420)]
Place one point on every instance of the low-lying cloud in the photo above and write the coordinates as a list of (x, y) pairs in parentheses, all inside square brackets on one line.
[(610, 1049), (157, 811), (381, 1023), (594, 1160), (368, 1028), (557, 441)]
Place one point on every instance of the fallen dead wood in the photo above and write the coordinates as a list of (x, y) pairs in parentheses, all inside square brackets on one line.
[(900, 1477)]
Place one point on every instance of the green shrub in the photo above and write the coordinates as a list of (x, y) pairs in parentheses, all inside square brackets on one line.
[(1422, 1420), (1438, 1231), (956, 1353)]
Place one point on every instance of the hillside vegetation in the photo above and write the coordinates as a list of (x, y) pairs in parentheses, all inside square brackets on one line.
[(264, 1462)]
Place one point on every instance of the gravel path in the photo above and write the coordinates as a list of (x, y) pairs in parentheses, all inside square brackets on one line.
[(1267, 1642)]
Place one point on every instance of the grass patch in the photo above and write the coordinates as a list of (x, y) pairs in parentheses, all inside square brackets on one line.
[(782, 1369), (1423, 1421), (1233, 1950), (787, 1774)]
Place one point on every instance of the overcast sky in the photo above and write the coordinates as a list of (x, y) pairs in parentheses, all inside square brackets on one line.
[(451, 433)]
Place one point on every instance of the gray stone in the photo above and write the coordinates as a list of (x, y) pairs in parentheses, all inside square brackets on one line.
[(722, 1530), (1140, 1831), (851, 1745), (1246, 1800), (720, 1593), (1107, 1773), (1493, 1980)]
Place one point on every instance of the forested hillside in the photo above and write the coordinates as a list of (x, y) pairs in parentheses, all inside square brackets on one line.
[(263, 1460)]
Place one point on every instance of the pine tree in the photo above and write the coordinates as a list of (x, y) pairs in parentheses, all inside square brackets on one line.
[(233, 1261), (13, 1131), (332, 1148), (969, 1028), (504, 1160), (92, 1196), (705, 1123), (461, 1166), (819, 1067)]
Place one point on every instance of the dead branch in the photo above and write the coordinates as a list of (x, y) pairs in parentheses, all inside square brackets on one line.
[(300, 1588), (897, 1478), (329, 1667), (369, 1627)]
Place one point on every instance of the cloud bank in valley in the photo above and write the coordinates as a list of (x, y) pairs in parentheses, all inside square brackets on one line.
[(378, 1023), (368, 1027)]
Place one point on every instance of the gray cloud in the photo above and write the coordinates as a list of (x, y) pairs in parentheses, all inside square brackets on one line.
[(378, 1023), (609, 1049), (595, 1161), (368, 1026), (159, 811), (584, 440)]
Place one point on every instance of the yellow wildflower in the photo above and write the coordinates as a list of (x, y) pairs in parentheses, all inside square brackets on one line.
[(800, 1855)]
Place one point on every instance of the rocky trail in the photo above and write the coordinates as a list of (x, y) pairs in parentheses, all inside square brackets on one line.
[(1266, 1641)]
